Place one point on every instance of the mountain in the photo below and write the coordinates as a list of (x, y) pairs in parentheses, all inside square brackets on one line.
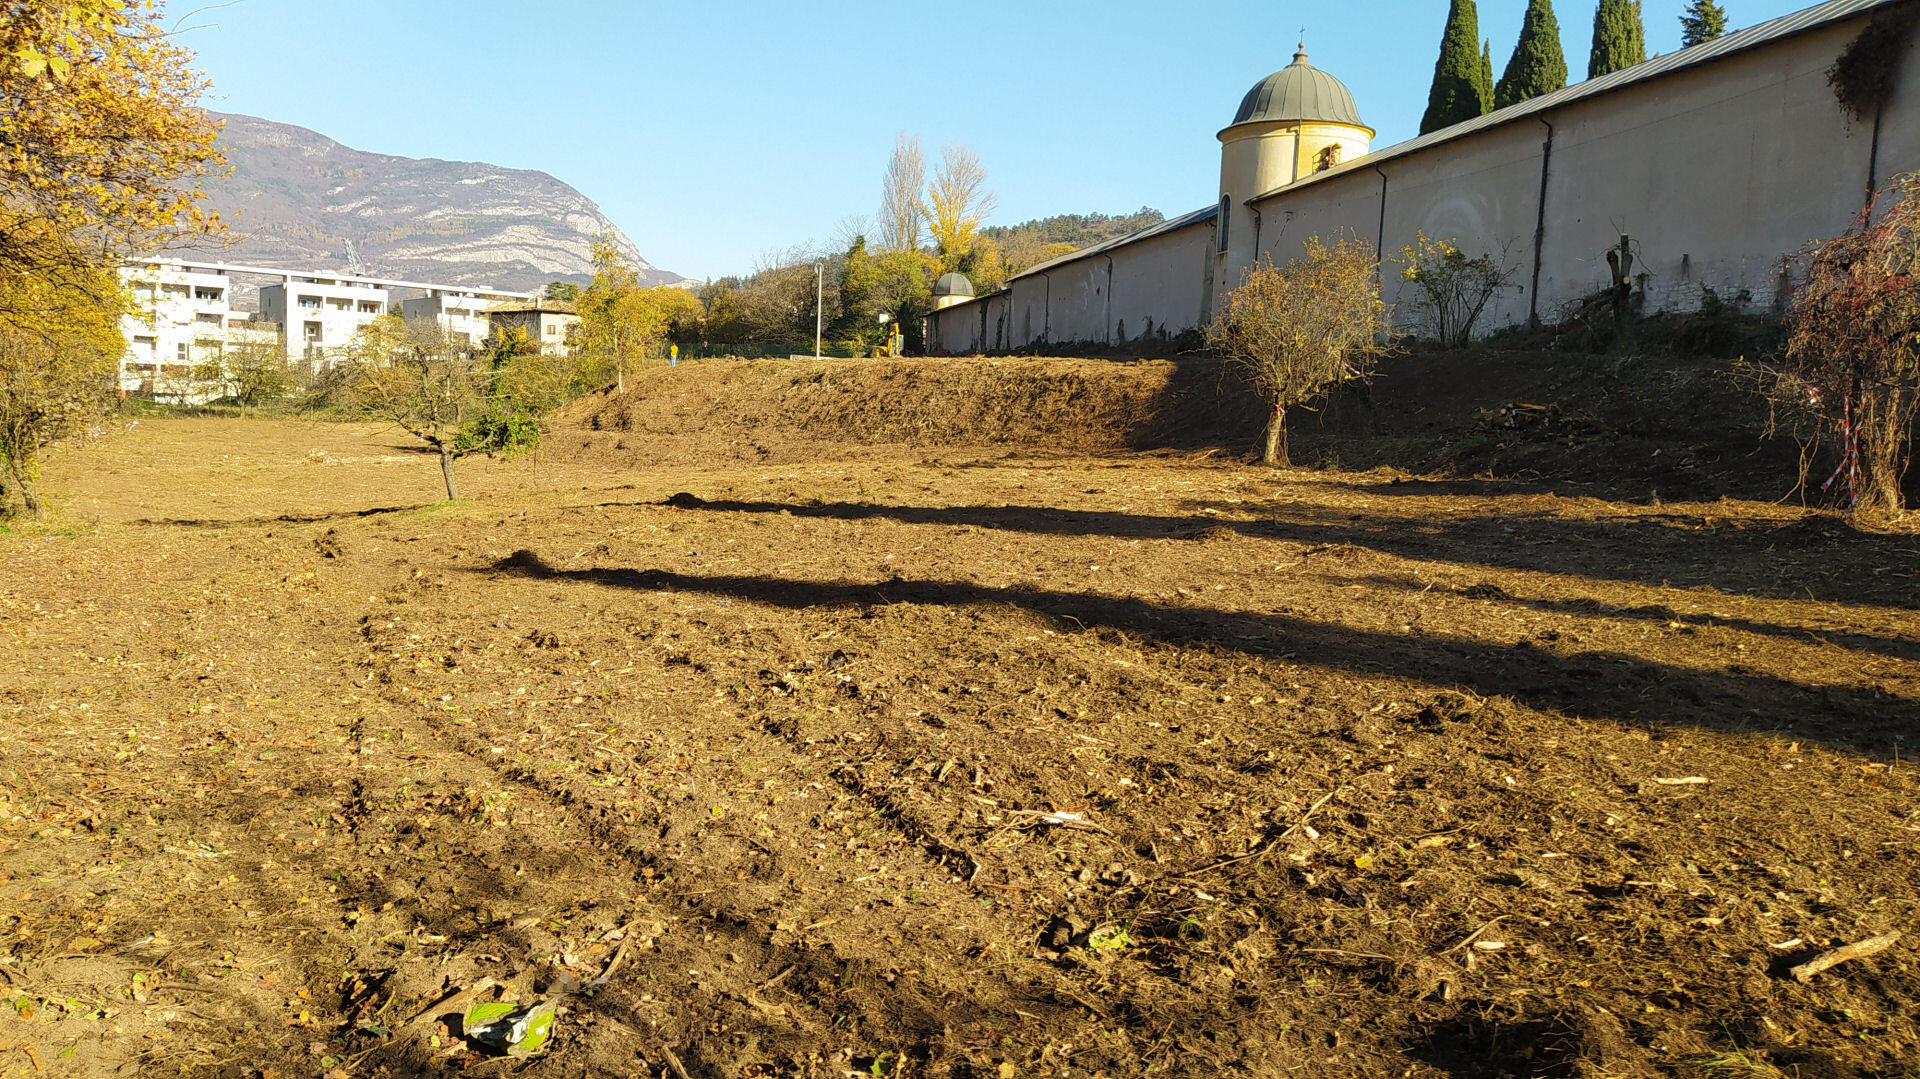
[(299, 200)]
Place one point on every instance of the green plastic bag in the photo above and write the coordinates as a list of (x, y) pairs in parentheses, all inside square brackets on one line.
[(513, 1029)]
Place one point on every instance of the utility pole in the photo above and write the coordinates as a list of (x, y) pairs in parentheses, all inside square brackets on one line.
[(819, 295)]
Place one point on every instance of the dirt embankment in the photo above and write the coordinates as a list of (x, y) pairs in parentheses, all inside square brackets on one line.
[(1640, 427), (777, 407)]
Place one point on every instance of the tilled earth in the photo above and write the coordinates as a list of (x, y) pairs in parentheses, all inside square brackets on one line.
[(942, 764)]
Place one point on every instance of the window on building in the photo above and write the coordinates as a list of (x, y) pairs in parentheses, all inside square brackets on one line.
[(311, 330), (206, 294), (552, 330), (211, 318), (1329, 157), (311, 303), (369, 307), (180, 352), (1220, 223)]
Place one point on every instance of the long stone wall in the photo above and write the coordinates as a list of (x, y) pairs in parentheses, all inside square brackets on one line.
[(1718, 173), (1158, 285)]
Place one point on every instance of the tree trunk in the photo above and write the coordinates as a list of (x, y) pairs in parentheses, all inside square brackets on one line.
[(446, 471), (1880, 471), (28, 492), (7, 508), (1275, 452)]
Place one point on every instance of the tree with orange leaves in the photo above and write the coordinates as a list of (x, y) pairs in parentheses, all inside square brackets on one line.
[(102, 140)]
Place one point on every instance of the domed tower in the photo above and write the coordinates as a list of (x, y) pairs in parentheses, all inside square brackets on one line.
[(951, 289), (1293, 123)]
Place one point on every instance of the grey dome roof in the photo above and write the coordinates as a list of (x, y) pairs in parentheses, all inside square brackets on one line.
[(953, 284), (1298, 91)]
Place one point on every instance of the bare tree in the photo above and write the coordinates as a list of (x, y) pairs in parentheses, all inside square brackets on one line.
[(957, 201), (901, 213), (422, 381), (1851, 372), (1300, 328), (848, 229)]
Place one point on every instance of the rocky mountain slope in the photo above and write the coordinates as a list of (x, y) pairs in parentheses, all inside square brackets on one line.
[(299, 199)]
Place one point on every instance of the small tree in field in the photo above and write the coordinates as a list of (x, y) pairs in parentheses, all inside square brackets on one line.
[(1852, 362), (252, 371), (523, 384), (1303, 327), (422, 381), (1450, 290)]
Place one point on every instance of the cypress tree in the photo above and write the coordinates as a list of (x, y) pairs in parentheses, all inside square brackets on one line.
[(1537, 65), (1703, 20), (1486, 72), (1619, 38), (1457, 94)]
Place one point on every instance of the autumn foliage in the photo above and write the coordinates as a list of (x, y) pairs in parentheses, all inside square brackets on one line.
[(101, 138), (1299, 328), (101, 142)]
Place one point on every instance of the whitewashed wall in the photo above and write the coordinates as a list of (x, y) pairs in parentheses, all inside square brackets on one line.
[(1717, 172), (1160, 281)]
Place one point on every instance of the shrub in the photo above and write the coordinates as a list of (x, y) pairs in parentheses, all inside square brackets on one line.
[(1852, 363), (1450, 290), (1303, 327)]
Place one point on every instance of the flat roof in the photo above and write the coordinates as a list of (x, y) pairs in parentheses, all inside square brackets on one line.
[(312, 277)]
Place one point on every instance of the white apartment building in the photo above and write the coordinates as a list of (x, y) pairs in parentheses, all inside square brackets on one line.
[(181, 319), (319, 316), (460, 313), (184, 319)]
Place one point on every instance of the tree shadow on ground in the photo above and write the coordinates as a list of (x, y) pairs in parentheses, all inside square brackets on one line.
[(1771, 559), (1606, 685), (285, 518), (1897, 647)]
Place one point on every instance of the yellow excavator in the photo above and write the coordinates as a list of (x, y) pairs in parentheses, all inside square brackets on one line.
[(896, 341)]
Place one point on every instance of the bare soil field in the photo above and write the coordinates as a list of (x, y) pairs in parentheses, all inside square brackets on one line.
[(930, 751)]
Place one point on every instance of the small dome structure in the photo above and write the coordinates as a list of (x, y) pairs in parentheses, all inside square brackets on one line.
[(952, 288), (953, 284), (1298, 93), (1294, 123)]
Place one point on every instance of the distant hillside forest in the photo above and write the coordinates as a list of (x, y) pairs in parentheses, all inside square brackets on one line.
[(1032, 242)]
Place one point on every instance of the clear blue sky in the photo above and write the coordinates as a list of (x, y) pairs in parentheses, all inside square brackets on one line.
[(714, 132)]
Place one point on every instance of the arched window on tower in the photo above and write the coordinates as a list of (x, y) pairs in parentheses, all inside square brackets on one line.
[(1220, 223), (1329, 157)]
